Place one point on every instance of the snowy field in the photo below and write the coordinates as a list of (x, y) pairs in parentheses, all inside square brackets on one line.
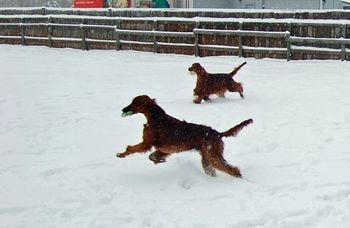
[(61, 126)]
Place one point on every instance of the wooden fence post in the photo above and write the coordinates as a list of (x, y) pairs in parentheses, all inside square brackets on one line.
[(288, 46), (49, 31), (155, 47), (289, 51), (240, 42), (22, 31), (83, 36), (343, 51), (196, 40), (43, 11), (117, 38)]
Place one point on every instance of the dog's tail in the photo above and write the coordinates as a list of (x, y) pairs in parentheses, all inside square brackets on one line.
[(237, 69), (234, 131)]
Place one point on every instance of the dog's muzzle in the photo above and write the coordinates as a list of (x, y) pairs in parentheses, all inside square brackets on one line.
[(127, 112)]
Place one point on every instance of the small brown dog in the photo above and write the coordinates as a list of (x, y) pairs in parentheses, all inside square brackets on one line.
[(219, 83), (169, 135)]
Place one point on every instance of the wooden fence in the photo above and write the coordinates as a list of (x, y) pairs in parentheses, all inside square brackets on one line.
[(289, 39)]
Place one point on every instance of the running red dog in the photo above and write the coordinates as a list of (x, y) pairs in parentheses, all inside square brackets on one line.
[(219, 83), (169, 135)]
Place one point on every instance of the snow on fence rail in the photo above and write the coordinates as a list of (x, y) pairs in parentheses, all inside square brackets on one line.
[(154, 38), (182, 13)]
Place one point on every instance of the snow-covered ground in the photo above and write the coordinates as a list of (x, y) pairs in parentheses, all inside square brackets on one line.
[(61, 126)]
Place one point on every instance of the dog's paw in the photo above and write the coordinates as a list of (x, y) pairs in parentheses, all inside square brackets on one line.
[(237, 173), (155, 159), (197, 101), (162, 160), (120, 155)]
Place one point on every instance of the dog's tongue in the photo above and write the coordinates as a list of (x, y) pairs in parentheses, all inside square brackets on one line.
[(125, 114)]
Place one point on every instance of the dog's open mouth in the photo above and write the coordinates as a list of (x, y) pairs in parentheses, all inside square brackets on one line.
[(128, 113)]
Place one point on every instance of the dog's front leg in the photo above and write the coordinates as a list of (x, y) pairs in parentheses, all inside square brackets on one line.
[(139, 148), (197, 99), (144, 146), (158, 157)]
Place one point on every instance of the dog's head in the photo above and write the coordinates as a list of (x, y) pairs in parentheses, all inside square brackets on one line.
[(140, 104), (196, 68)]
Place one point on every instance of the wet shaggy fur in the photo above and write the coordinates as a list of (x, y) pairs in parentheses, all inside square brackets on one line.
[(169, 135), (218, 83)]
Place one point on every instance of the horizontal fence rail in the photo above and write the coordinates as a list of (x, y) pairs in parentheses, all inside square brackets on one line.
[(183, 13), (197, 36), (240, 33)]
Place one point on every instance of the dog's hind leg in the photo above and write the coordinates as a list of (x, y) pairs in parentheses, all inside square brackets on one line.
[(236, 87), (213, 154), (222, 165), (208, 169), (158, 157)]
